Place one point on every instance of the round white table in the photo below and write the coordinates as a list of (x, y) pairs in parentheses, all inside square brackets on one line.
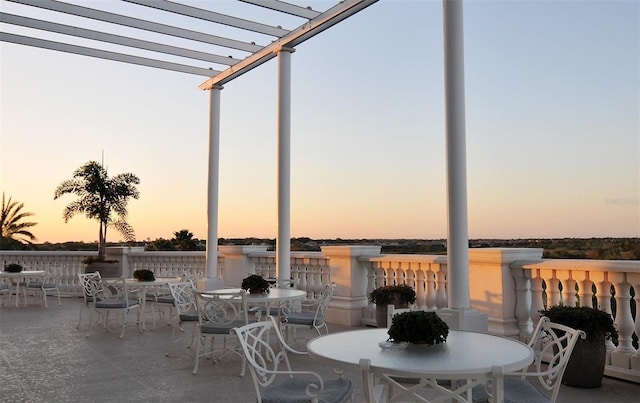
[(275, 298), (143, 286), (465, 355), (20, 277)]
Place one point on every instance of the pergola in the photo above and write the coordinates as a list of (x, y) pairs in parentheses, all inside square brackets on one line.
[(224, 47)]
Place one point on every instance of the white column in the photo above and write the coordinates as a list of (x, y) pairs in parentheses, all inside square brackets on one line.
[(283, 242), (458, 237), (212, 278)]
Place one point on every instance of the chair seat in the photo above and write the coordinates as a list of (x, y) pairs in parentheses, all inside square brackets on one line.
[(294, 391), (116, 303), (303, 318), (516, 390), (217, 328), (189, 317), (40, 285), (164, 299)]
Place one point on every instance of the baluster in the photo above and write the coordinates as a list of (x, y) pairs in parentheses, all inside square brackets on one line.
[(430, 288), (621, 356), (634, 280), (553, 289), (420, 287), (523, 303), (603, 295), (441, 292), (537, 298), (585, 293)]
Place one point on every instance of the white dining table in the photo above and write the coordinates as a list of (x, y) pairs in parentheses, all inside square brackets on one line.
[(144, 286), (272, 299), (17, 278), (471, 356)]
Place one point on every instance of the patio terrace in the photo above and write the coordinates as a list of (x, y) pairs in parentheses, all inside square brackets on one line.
[(44, 358)]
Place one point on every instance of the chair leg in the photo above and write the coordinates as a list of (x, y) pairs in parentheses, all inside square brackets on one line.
[(124, 323), (195, 365)]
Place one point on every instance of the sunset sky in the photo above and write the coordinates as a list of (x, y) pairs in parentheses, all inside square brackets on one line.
[(552, 122)]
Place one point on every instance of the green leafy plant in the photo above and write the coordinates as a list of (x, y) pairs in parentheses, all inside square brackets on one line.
[(12, 268), (418, 327), (100, 197), (393, 294), (594, 322), (255, 284), (143, 275)]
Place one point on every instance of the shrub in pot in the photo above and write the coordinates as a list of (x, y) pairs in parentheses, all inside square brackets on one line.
[(418, 327), (255, 284), (13, 268), (143, 275), (586, 365), (400, 296)]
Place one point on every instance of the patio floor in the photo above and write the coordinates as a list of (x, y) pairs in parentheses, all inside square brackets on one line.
[(44, 358)]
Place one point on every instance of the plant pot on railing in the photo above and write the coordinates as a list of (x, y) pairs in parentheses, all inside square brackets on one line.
[(400, 296), (107, 269)]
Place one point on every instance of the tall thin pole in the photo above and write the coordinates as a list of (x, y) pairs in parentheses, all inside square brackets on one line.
[(458, 236), (283, 242), (213, 185)]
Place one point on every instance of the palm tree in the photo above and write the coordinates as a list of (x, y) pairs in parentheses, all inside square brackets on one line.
[(184, 240), (98, 197), (11, 225)]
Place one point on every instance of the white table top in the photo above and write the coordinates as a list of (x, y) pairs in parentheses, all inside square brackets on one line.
[(25, 273), (159, 281), (274, 294), (464, 355)]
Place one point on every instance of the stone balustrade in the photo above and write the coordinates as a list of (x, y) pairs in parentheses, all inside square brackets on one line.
[(509, 285), (605, 284)]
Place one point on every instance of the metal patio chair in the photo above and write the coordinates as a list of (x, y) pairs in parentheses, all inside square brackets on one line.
[(553, 344), (274, 380)]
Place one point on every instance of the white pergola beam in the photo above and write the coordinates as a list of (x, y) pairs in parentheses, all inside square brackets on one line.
[(115, 39), (103, 54), (211, 16), (132, 22), (324, 21), (287, 8)]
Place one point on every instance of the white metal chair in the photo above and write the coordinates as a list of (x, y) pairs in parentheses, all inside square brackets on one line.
[(183, 295), (49, 283), (273, 378), (553, 344), (104, 297), (311, 316), (218, 313), (83, 278)]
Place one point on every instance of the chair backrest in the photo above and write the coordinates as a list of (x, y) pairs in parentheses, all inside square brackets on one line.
[(222, 309), (266, 359), (323, 303), (553, 344), (183, 296), (87, 286), (53, 275)]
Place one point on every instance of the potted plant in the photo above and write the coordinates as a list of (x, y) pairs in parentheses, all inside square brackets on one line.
[(255, 284), (418, 327), (103, 199), (143, 275), (12, 268), (400, 296), (586, 365)]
